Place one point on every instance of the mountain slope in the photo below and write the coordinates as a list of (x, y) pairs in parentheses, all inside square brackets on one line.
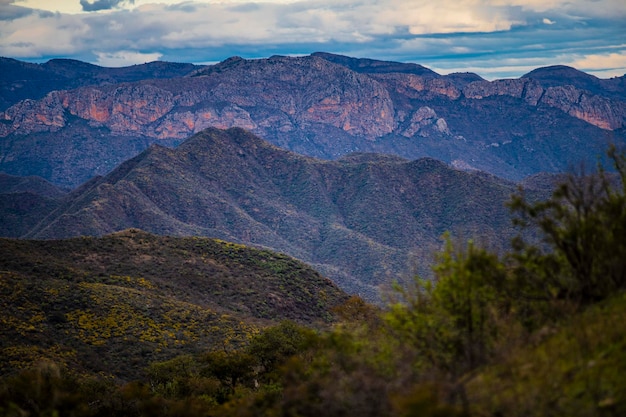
[(324, 106), (23, 80), (561, 75), (363, 221), (24, 201), (116, 303)]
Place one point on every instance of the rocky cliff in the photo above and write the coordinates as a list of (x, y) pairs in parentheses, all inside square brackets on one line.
[(321, 105), (23, 80)]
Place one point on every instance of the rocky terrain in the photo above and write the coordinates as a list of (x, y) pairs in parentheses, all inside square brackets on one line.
[(321, 105), (23, 80)]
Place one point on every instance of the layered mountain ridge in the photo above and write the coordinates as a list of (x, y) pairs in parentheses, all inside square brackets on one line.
[(364, 221), (326, 106)]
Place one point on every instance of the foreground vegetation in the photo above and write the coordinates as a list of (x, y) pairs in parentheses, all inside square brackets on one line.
[(537, 331)]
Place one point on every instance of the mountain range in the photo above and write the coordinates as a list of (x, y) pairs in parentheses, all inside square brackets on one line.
[(67, 121), (151, 216), (355, 166), (364, 220)]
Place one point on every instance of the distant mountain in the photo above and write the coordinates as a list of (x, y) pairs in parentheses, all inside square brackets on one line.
[(561, 76), (114, 304), (24, 201), (23, 80), (322, 105), (363, 221), (373, 66), (36, 185)]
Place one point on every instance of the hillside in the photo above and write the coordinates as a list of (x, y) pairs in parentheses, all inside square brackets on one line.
[(114, 304), (322, 105), (24, 201), (23, 80), (363, 221), (134, 324)]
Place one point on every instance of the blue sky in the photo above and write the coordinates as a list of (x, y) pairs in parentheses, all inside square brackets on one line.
[(496, 39)]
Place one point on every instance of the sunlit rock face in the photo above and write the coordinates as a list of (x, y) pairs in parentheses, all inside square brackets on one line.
[(321, 105)]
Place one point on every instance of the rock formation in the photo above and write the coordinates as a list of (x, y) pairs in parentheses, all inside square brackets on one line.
[(321, 105)]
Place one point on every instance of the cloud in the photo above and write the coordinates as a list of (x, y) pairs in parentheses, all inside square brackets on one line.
[(36, 35), (8, 11), (497, 37), (96, 5), (125, 58), (607, 65)]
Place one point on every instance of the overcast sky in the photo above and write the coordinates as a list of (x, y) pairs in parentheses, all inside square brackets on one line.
[(494, 38)]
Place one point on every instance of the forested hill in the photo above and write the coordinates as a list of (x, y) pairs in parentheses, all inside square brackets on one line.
[(535, 331), (116, 303)]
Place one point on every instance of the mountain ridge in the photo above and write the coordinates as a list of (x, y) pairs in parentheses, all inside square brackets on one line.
[(363, 221), (321, 105)]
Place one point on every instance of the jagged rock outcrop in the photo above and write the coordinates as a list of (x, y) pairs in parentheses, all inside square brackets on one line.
[(24, 80), (423, 121), (299, 88), (605, 113), (529, 90), (599, 111), (321, 105), (418, 87)]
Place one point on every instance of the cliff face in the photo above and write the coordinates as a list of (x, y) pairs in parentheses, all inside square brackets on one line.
[(603, 112), (284, 94), (321, 105), (23, 80)]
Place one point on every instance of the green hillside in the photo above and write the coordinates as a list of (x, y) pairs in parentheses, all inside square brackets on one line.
[(116, 303)]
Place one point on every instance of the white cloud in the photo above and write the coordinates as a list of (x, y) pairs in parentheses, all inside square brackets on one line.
[(36, 36), (602, 65), (62, 6), (125, 58), (460, 34)]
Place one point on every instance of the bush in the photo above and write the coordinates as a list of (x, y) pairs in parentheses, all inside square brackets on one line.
[(583, 228)]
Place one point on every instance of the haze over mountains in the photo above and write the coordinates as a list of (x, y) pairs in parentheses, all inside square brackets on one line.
[(321, 105)]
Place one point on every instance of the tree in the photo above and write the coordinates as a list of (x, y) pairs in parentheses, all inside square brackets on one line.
[(274, 345), (231, 368), (583, 228), (452, 323), (453, 319)]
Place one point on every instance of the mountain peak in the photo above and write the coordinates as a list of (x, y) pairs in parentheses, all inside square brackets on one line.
[(372, 66), (557, 72), (562, 75)]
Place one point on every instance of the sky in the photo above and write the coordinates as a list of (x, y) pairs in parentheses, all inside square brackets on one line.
[(493, 38)]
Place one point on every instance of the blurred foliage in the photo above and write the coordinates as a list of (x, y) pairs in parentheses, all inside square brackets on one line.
[(583, 225)]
